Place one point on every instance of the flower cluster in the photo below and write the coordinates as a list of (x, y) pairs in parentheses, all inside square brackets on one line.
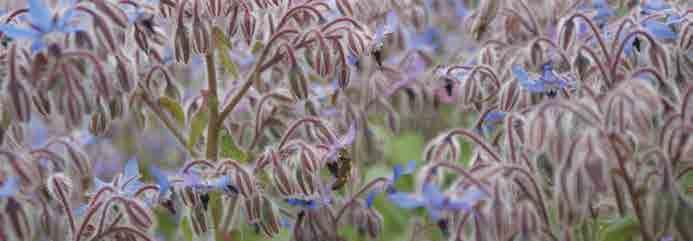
[(281, 119)]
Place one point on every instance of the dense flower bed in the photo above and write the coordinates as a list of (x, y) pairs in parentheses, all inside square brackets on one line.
[(346, 120)]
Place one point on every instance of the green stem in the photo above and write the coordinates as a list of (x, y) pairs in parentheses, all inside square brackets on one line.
[(237, 97), (213, 105), (169, 125)]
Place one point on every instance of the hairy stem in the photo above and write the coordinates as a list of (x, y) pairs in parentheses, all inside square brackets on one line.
[(213, 127), (169, 125)]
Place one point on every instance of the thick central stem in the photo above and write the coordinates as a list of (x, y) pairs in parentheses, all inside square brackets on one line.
[(213, 105)]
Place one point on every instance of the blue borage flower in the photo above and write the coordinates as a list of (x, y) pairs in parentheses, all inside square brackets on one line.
[(397, 172), (491, 120), (127, 183), (42, 23), (602, 12), (161, 180), (10, 187), (216, 184), (659, 30), (436, 202), (311, 202), (549, 82), (652, 6)]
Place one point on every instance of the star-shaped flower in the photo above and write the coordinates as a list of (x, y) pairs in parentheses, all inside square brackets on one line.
[(548, 83), (435, 201), (41, 23)]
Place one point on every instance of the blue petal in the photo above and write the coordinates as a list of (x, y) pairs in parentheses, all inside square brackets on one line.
[(10, 187), (520, 73), (40, 15), (398, 170), (494, 116), (64, 21), (81, 210), (428, 38), (221, 183), (660, 30), (132, 169), (655, 5), (161, 180), (310, 204), (460, 9), (371, 198), (392, 20), (405, 200), (191, 179), (18, 33), (133, 186), (468, 200), (98, 183), (37, 45), (433, 195)]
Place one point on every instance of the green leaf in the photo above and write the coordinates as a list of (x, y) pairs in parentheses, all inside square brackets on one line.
[(257, 47), (619, 229), (224, 46), (173, 108), (186, 229), (166, 224), (405, 147), (197, 126), (215, 207), (229, 148)]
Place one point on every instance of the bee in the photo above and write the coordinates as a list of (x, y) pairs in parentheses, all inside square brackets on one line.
[(340, 169)]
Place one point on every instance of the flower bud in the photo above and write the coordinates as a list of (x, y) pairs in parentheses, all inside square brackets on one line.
[(373, 223), (270, 220), (99, 123), (246, 183), (139, 215), (115, 107), (248, 27), (42, 103), (59, 186), (201, 37), (282, 180), (20, 101), (73, 110), (198, 221), (125, 80), (17, 223), (305, 181), (182, 44), (253, 206)]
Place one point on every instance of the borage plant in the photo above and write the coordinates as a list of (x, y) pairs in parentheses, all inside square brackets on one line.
[(303, 120)]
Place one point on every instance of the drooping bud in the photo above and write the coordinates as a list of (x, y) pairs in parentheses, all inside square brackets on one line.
[(17, 224), (182, 44), (139, 215), (245, 182), (201, 35), (99, 123), (373, 223), (20, 101), (282, 179), (248, 27), (253, 206), (270, 220), (198, 221), (42, 103), (59, 186), (305, 181), (125, 80)]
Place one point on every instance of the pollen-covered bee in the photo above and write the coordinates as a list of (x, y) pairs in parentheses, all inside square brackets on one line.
[(340, 168)]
